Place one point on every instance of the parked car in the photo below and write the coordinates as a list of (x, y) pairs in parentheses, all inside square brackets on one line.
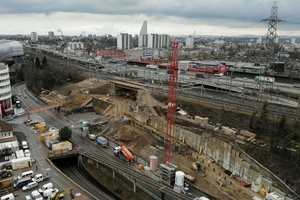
[(27, 153), (24, 145), (36, 195), (27, 197), (30, 186), (40, 177)]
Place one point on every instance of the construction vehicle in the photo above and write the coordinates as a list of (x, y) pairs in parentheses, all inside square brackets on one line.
[(123, 153), (60, 195), (196, 166), (5, 173), (36, 126), (42, 128), (221, 182), (5, 183)]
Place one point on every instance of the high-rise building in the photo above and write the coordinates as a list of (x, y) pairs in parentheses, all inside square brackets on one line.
[(124, 41), (189, 42), (259, 40), (143, 36), (164, 41), (144, 29), (156, 41), (5, 91), (51, 35), (143, 41), (153, 41), (34, 37), (293, 40)]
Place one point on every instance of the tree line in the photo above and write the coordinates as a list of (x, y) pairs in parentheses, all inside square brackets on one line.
[(282, 134)]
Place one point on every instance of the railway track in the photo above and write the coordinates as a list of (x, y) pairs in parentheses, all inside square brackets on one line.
[(87, 183), (125, 170)]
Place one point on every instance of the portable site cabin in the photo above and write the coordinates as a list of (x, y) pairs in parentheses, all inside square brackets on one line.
[(62, 145), (50, 137), (9, 147), (19, 154), (43, 135), (20, 163), (50, 142)]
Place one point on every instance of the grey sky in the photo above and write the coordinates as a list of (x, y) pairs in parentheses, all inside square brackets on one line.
[(174, 17)]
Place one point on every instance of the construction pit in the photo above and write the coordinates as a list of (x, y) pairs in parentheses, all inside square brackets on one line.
[(145, 129)]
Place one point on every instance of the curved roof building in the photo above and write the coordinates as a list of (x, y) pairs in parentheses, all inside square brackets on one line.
[(5, 91), (9, 48)]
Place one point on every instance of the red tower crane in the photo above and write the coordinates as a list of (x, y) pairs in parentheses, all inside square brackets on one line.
[(172, 92)]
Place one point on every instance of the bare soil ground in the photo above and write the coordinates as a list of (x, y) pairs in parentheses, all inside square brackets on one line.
[(143, 144)]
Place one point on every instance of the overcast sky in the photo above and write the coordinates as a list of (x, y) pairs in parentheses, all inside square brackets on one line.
[(173, 17)]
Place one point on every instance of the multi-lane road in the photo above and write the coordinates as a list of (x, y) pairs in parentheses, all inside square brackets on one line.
[(39, 150)]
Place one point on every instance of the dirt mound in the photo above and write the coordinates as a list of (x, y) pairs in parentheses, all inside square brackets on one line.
[(74, 88), (135, 138)]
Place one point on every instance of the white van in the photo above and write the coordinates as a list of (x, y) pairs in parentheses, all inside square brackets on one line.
[(26, 175), (45, 187), (24, 145), (8, 197), (52, 191), (36, 195)]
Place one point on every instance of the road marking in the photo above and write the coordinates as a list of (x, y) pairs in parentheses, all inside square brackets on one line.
[(58, 183)]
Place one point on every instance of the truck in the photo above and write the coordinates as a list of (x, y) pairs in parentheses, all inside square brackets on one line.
[(5, 183), (102, 141), (265, 79), (123, 153), (40, 177)]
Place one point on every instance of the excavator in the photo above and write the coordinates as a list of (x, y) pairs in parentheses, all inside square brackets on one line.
[(60, 195)]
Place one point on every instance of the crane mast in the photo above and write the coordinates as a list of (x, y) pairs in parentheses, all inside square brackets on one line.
[(172, 92)]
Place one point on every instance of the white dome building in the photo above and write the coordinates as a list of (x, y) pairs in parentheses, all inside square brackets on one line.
[(9, 48)]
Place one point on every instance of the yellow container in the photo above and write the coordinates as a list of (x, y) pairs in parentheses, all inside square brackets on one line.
[(263, 192), (43, 135)]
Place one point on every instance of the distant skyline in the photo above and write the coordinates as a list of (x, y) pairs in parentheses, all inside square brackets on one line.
[(173, 17)]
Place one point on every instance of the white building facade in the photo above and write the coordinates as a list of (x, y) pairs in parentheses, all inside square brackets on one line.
[(189, 42), (143, 41), (34, 37), (51, 35), (123, 41), (5, 91), (293, 40), (76, 46), (157, 41), (164, 41)]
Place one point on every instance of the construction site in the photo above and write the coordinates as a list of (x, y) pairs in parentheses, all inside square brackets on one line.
[(212, 160)]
